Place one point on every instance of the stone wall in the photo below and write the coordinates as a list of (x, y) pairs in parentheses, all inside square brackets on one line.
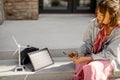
[(1, 12), (21, 9)]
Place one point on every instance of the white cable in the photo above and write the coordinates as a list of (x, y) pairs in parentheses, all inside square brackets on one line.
[(25, 78)]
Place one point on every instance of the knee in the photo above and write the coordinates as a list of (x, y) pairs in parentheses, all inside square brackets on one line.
[(87, 68), (94, 65)]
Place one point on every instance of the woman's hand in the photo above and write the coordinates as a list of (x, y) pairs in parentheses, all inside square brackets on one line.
[(73, 56), (81, 59)]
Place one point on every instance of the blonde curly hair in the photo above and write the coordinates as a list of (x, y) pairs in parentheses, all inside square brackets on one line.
[(113, 7)]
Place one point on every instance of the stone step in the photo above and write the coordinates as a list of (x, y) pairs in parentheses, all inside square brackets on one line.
[(115, 76), (62, 69)]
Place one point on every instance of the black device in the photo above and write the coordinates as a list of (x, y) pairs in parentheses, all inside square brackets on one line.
[(40, 59), (65, 53), (24, 54)]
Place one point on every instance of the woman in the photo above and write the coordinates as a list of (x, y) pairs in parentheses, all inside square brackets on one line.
[(99, 56)]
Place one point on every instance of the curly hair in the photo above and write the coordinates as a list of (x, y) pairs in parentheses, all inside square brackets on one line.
[(113, 7)]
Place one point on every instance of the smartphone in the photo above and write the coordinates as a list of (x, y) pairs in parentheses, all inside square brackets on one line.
[(65, 53)]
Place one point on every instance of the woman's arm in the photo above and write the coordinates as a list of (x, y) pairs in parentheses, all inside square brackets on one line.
[(112, 49), (80, 59), (88, 38)]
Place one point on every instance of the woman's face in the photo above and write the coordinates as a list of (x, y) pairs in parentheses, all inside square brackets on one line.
[(103, 18)]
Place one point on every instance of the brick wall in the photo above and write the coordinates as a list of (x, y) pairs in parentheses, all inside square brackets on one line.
[(98, 1), (1, 12), (21, 9)]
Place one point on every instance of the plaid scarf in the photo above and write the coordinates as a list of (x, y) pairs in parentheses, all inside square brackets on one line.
[(100, 39)]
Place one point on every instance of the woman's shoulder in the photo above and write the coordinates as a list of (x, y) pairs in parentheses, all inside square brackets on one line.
[(94, 20), (115, 34), (117, 31), (94, 23)]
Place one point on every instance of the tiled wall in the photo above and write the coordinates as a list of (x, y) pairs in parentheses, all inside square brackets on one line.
[(21, 9)]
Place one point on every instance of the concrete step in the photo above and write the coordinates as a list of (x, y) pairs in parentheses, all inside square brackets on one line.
[(62, 69), (115, 76)]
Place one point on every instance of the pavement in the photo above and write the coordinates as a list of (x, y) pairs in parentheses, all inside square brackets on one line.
[(55, 31)]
